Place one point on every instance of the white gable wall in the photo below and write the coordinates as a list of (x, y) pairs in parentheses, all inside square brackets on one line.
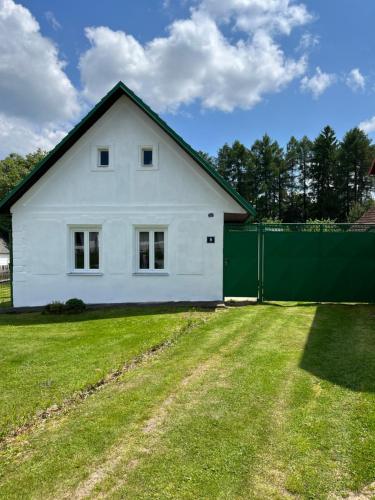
[(177, 194)]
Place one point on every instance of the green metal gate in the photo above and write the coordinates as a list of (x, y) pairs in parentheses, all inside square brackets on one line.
[(302, 262), (240, 261)]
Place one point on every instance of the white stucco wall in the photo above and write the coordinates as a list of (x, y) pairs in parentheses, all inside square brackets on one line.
[(177, 194)]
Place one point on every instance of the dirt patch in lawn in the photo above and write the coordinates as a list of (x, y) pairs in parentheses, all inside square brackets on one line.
[(367, 493)]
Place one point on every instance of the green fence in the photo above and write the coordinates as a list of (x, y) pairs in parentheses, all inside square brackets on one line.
[(302, 262)]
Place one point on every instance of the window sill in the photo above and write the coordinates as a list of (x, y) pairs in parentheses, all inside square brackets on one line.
[(150, 273), (102, 169), (148, 169), (85, 273)]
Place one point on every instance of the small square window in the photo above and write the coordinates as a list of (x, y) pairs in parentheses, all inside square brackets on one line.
[(103, 157), (147, 157)]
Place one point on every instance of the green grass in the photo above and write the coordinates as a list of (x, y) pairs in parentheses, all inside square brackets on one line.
[(47, 358), (5, 294), (272, 401)]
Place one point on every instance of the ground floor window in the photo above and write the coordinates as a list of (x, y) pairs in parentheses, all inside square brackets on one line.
[(86, 249), (151, 249)]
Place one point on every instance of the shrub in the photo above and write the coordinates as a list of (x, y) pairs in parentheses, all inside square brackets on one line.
[(75, 306), (54, 307)]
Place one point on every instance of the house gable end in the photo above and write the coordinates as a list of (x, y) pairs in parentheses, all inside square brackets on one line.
[(86, 123)]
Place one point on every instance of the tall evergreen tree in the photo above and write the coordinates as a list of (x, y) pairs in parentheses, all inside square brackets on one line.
[(353, 183), (292, 207), (323, 170), (233, 165), (305, 147), (268, 163)]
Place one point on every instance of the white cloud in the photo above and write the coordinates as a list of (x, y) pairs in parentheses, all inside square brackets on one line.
[(355, 80), (318, 83), (50, 16), (368, 125), (36, 96), (20, 136), (32, 80), (307, 42), (195, 61), (252, 15)]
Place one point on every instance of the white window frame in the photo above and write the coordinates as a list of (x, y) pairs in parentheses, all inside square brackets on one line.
[(151, 230), (85, 230), (155, 157), (99, 151), (95, 167)]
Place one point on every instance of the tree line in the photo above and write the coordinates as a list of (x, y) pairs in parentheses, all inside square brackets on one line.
[(308, 179)]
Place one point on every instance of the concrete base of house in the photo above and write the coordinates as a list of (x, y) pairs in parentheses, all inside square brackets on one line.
[(199, 304)]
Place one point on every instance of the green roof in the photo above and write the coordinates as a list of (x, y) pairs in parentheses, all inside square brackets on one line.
[(103, 105)]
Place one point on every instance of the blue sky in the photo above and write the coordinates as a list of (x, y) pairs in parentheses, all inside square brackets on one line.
[(215, 70)]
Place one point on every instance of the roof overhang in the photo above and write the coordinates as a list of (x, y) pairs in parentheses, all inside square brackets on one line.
[(235, 217)]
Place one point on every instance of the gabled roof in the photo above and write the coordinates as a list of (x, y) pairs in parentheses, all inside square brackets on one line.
[(113, 95)]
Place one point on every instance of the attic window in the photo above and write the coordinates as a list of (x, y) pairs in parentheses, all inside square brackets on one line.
[(147, 157), (103, 157)]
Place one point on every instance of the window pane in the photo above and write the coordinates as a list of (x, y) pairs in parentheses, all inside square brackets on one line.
[(159, 249), (144, 250), (94, 250), (79, 254), (104, 158), (147, 157)]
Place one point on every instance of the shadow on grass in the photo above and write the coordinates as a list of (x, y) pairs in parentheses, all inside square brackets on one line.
[(37, 317), (341, 346)]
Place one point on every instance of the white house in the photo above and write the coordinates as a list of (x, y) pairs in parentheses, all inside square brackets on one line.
[(121, 211)]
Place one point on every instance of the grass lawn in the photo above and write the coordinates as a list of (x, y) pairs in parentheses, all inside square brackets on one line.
[(5, 294), (45, 358), (270, 401)]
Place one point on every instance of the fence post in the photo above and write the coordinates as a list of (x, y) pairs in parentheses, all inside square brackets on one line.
[(260, 262)]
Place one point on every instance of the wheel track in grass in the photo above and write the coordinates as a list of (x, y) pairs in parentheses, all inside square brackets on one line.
[(79, 397), (269, 477), (128, 455)]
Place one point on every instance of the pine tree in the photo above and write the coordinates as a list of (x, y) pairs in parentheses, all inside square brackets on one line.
[(323, 171), (292, 208), (268, 163), (233, 164), (353, 183)]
